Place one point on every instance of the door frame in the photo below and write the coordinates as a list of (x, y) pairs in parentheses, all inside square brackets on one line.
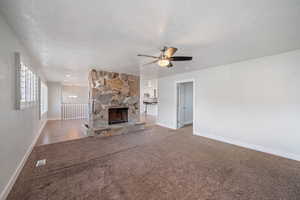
[(176, 99)]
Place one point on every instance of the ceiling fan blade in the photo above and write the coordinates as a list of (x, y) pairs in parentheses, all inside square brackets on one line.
[(170, 51), (154, 61), (147, 56), (181, 58)]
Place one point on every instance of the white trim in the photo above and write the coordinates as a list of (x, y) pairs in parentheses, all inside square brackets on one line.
[(164, 125), (42, 127), (15, 175), (147, 115), (188, 123), (194, 99), (250, 146), (52, 119)]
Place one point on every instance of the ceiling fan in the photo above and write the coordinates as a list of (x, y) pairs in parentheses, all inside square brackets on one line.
[(166, 56)]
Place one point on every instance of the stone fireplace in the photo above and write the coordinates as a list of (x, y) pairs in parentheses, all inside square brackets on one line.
[(114, 98)]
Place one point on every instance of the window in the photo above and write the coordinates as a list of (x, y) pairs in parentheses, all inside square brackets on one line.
[(44, 98), (28, 87), (23, 83)]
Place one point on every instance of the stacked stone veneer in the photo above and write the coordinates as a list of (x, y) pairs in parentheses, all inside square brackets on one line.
[(110, 89)]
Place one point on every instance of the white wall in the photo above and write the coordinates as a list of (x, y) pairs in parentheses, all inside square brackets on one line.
[(58, 94), (81, 92), (54, 100), (255, 103), (19, 129), (167, 98), (148, 86)]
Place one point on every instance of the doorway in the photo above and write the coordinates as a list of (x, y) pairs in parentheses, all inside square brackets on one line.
[(185, 98)]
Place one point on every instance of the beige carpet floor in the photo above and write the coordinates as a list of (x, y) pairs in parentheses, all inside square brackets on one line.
[(156, 163)]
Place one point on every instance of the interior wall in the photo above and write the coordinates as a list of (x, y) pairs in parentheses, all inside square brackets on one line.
[(19, 129), (254, 103), (167, 98), (54, 100), (148, 86), (81, 93)]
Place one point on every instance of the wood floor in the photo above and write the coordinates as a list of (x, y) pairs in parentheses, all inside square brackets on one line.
[(153, 164), (60, 131), (64, 130)]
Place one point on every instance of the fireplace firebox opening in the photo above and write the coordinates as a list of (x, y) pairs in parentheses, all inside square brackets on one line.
[(117, 115)]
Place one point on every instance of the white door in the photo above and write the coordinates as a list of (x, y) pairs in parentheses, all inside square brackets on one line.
[(185, 104), (188, 103), (180, 105)]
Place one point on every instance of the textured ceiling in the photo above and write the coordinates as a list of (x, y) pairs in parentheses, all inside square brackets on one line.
[(70, 37)]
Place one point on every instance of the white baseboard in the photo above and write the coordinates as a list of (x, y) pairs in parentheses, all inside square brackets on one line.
[(50, 119), (41, 129), (164, 125), (188, 123), (148, 114), (250, 146), (15, 175)]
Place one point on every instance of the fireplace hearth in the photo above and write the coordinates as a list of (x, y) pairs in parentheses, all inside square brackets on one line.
[(117, 115)]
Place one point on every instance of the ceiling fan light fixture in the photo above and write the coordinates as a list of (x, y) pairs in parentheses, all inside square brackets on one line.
[(166, 57), (163, 62)]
